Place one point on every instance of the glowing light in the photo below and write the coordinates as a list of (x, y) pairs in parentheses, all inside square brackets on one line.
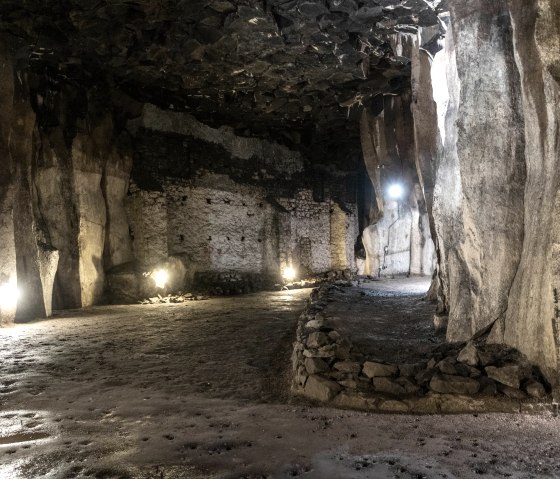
[(9, 295), (160, 277), (395, 191), (289, 273)]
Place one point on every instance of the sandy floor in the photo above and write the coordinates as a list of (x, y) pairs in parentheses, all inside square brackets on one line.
[(199, 390)]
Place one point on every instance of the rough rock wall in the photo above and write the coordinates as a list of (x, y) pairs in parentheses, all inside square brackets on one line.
[(531, 320), (483, 253), (114, 187), (397, 241), (61, 165), (8, 273), (26, 234), (496, 183), (400, 242), (80, 189), (228, 203)]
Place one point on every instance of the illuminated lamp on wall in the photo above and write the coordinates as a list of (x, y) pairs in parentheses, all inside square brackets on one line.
[(160, 277), (395, 191), (289, 273), (9, 295)]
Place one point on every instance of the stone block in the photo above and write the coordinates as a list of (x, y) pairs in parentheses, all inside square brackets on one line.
[(447, 366), (321, 389), (349, 383), (324, 352), (350, 400), (469, 355), (315, 365), (314, 324), (447, 384), (123, 285), (510, 375), (425, 376), (388, 386), (486, 358), (317, 339), (535, 389), (334, 335), (373, 369), (408, 385), (301, 377), (410, 370), (348, 367)]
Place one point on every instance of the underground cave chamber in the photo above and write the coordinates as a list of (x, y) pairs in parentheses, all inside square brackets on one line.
[(225, 142)]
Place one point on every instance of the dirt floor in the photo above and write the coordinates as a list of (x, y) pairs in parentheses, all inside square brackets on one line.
[(200, 390), (387, 320)]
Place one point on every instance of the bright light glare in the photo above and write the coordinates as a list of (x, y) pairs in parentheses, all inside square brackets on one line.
[(9, 295), (160, 277), (289, 273), (395, 191)]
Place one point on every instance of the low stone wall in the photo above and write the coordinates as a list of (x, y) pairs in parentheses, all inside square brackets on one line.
[(232, 282), (453, 378)]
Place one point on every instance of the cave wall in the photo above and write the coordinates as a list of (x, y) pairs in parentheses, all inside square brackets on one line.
[(490, 172), (204, 201), (225, 203), (531, 319), (8, 272), (61, 165), (80, 188), (482, 252), (398, 241)]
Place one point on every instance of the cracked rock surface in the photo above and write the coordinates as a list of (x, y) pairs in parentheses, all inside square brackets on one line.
[(262, 65)]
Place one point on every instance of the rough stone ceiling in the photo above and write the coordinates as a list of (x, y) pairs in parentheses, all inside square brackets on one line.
[(256, 64)]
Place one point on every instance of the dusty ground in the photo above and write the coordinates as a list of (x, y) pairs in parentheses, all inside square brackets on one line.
[(198, 390), (387, 320)]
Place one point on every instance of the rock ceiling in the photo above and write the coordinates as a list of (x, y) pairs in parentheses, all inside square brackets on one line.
[(253, 64)]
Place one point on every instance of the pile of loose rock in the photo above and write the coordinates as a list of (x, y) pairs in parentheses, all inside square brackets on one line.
[(174, 298), (453, 378), (318, 280)]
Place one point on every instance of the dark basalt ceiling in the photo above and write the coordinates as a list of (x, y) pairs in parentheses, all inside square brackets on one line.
[(258, 65)]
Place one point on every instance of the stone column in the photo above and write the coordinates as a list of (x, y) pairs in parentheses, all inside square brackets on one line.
[(478, 197), (28, 262), (8, 272)]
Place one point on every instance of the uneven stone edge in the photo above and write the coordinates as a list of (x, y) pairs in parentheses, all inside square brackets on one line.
[(465, 378)]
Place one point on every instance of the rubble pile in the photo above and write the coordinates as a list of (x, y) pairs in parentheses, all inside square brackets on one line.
[(174, 298)]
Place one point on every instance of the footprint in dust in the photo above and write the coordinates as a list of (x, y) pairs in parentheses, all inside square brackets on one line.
[(189, 445)]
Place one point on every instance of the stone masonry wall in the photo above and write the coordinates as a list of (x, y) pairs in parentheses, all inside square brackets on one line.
[(224, 203)]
